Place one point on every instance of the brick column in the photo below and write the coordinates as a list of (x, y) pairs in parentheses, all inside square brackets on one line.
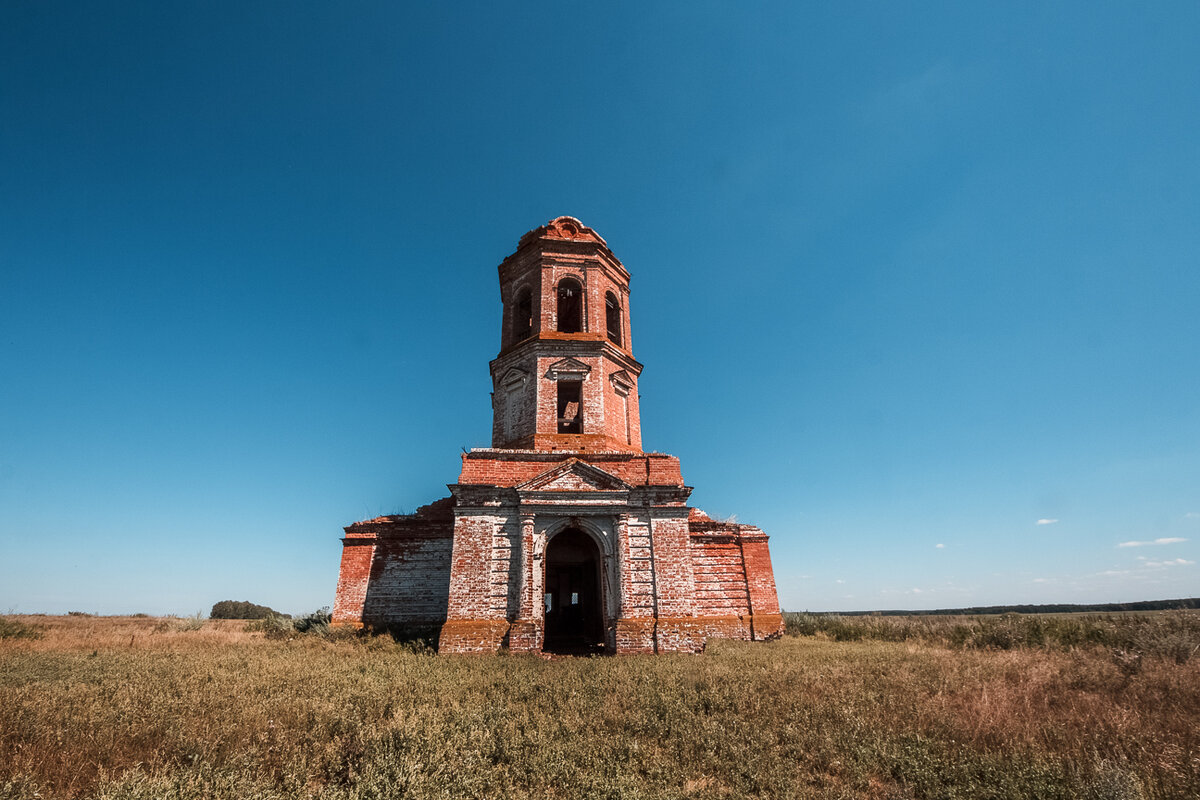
[(525, 634), (634, 631)]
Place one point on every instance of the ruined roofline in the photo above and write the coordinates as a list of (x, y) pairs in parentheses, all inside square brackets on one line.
[(566, 235), (438, 510), (700, 521), (564, 227)]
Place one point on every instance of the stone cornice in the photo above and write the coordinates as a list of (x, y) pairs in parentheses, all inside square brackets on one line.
[(567, 344)]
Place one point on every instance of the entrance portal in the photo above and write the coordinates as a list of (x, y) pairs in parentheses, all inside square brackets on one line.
[(574, 612)]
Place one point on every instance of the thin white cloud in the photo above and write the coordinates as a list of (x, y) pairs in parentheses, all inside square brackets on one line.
[(1046, 521), (839, 580), (1192, 515), (1108, 572), (1163, 540), (1173, 562), (1043, 580), (939, 546)]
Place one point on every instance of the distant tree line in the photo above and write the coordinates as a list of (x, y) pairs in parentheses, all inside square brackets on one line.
[(1051, 608), (242, 609)]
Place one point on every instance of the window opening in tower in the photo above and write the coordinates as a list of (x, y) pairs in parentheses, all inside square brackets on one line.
[(570, 306), (612, 318), (570, 409), (523, 316)]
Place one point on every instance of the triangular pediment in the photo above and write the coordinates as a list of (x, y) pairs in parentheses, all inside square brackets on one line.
[(567, 368), (574, 476), (513, 379), (621, 381)]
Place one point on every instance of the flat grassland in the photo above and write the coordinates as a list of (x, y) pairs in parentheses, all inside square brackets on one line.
[(1036, 707)]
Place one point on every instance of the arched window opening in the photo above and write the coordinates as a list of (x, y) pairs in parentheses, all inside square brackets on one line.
[(612, 318), (573, 595), (522, 320), (570, 407), (570, 306)]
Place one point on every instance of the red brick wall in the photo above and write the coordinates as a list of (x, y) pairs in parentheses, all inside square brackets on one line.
[(733, 575), (720, 576), (673, 577), (396, 569), (410, 581)]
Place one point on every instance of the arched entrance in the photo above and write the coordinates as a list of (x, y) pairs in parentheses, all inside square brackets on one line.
[(574, 606)]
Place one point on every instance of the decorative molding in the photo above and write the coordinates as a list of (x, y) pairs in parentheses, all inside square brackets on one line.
[(569, 369), (574, 476), (621, 382), (514, 379), (564, 228)]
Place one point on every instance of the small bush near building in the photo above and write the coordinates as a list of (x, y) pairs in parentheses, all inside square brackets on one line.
[(279, 626)]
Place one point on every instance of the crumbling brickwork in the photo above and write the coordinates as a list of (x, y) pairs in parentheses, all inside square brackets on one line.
[(564, 535)]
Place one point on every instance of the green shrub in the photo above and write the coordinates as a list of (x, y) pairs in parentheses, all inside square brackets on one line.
[(278, 626), (795, 624), (317, 622), (15, 629), (242, 609)]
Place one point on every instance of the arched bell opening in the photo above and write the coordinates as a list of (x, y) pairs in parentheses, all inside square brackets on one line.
[(574, 601), (612, 318), (522, 316), (570, 306)]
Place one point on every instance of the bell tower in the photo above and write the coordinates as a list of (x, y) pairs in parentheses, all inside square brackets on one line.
[(565, 378)]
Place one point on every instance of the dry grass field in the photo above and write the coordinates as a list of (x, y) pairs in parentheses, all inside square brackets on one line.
[(124, 707)]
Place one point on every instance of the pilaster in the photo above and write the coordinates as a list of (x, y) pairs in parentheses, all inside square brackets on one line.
[(527, 631)]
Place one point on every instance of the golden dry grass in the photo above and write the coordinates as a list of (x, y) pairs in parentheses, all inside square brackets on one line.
[(132, 708), (72, 633)]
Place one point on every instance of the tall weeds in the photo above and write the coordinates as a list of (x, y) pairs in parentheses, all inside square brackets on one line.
[(225, 713), (1169, 634)]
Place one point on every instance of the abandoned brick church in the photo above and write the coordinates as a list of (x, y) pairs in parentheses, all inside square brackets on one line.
[(564, 535)]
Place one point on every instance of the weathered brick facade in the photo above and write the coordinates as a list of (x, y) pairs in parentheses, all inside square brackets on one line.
[(564, 535)]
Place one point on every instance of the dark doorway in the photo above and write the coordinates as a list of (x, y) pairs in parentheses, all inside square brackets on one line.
[(574, 613)]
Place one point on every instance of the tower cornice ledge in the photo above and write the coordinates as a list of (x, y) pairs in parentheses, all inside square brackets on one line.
[(568, 344)]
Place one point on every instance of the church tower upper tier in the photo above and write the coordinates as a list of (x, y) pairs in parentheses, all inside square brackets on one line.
[(565, 378)]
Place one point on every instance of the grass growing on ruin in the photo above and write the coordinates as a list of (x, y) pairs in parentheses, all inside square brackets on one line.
[(133, 708)]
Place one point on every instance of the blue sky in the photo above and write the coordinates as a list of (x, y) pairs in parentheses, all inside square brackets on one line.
[(915, 285)]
